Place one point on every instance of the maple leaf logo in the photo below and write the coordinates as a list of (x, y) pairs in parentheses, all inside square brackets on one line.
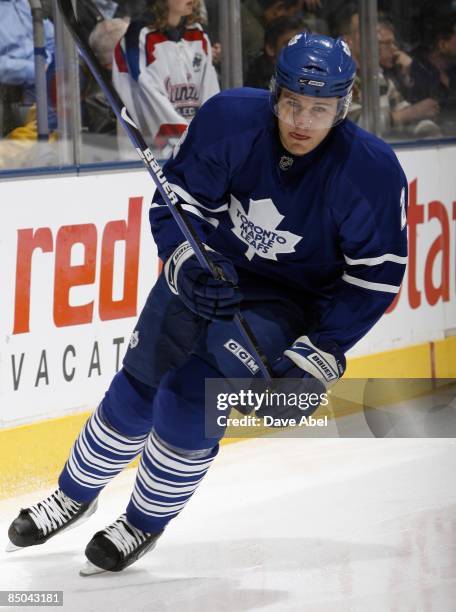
[(258, 229)]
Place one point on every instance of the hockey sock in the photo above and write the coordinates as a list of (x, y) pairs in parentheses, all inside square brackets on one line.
[(167, 478), (99, 453)]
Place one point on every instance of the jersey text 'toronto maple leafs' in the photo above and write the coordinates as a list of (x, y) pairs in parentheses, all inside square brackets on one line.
[(258, 229)]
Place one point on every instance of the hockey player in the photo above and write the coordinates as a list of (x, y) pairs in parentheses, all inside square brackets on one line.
[(305, 213), (163, 72)]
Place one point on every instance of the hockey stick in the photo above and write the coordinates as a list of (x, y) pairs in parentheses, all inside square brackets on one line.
[(168, 195)]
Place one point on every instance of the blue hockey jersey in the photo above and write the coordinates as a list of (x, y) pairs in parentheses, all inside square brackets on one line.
[(329, 226)]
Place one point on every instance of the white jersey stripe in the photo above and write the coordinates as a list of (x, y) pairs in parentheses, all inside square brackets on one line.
[(192, 209), (195, 211), (191, 200), (368, 285), (375, 261)]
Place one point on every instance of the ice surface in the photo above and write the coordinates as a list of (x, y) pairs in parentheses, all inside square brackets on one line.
[(308, 525)]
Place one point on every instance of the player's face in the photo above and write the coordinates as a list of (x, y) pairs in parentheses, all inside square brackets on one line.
[(304, 121)]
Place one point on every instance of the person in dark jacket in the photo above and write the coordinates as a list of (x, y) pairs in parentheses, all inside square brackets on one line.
[(277, 35), (433, 73)]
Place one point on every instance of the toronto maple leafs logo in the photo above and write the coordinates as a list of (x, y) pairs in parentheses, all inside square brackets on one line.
[(258, 229)]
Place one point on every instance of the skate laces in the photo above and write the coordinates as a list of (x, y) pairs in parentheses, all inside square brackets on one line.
[(124, 535), (53, 511)]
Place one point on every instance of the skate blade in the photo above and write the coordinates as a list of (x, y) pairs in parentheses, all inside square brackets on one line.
[(10, 547), (89, 569)]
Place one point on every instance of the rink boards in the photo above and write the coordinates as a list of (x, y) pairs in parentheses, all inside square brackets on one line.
[(77, 263)]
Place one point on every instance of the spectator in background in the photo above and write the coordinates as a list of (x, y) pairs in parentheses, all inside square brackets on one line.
[(97, 114), (212, 28), (17, 62), (104, 38), (433, 72), (163, 71), (277, 35), (397, 115), (91, 12), (314, 13), (255, 16), (394, 61)]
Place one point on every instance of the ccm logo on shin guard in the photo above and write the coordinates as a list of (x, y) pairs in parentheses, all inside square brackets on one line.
[(243, 355)]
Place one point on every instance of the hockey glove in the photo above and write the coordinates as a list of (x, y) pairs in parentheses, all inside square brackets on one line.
[(304, 360), (206, 296), (316, 368)]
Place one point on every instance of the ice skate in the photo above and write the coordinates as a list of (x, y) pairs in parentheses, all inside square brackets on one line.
[(35, 525), (116, 547)]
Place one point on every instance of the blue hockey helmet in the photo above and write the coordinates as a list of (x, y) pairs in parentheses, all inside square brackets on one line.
[(314, 66)]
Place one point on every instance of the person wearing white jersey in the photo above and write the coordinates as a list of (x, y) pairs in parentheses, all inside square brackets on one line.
[(162, 70)]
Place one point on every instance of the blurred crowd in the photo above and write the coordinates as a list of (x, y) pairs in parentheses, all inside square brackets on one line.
[(164, 58)]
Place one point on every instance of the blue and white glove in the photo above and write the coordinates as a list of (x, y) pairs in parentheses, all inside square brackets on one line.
[(303, 359), (316, 368), (206, 296)]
